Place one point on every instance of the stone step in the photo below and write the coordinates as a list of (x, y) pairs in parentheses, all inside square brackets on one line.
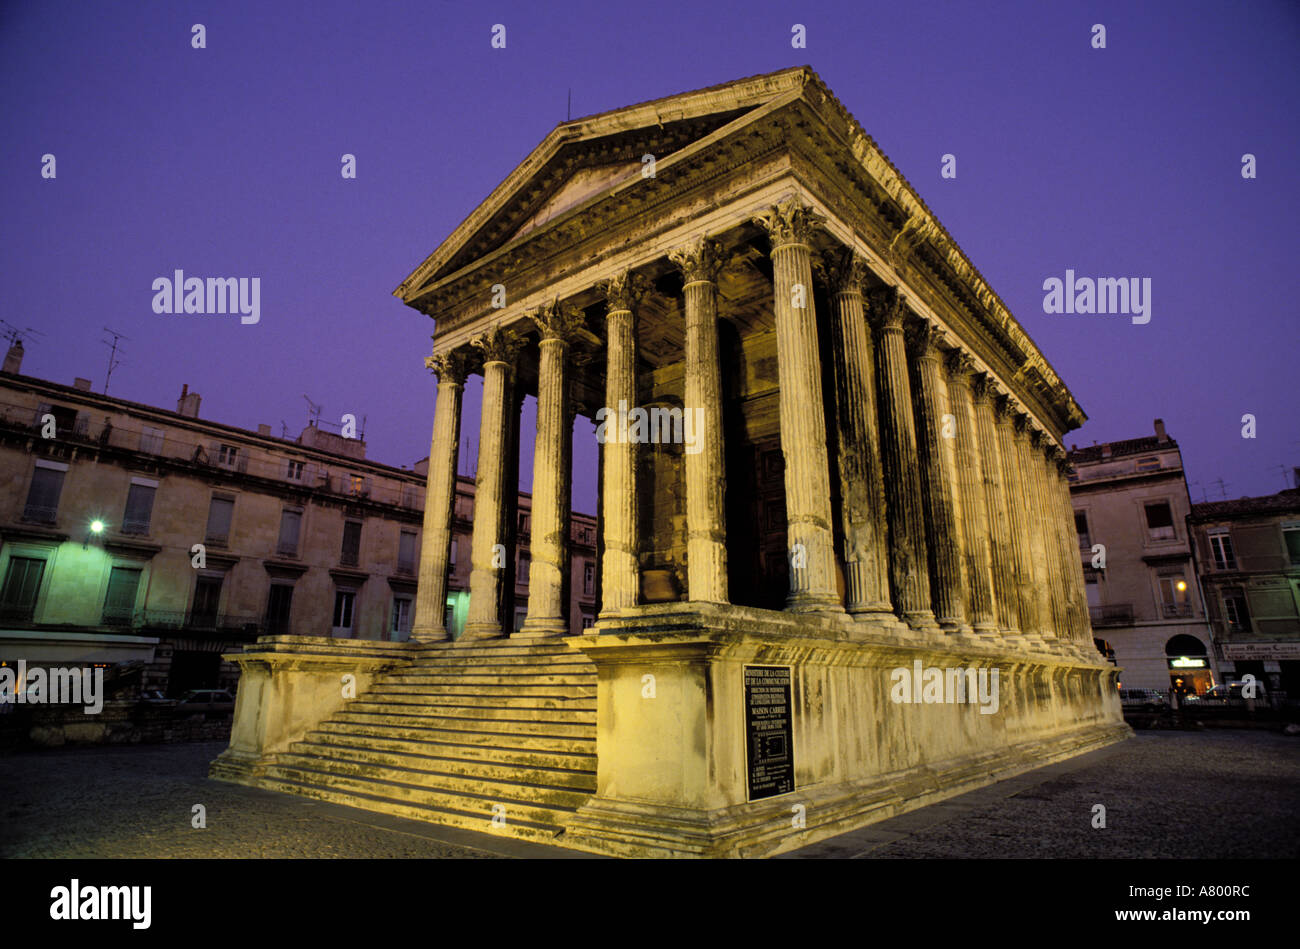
[(539, 831), (450, 695), (452, 708), (448, 793), (547, 753), (479, 770), (516, 681), (466, 686), (540, 666), (460, 722), (488, 741), (505, 649)]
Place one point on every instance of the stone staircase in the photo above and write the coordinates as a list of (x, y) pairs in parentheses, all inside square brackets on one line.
[(461, 735)]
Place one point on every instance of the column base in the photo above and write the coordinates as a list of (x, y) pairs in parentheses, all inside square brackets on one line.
[(476, 631), (813, 603), (430, 634), (985, 631), (921, 621), (1012, 637), (542, 629), (868, 609)]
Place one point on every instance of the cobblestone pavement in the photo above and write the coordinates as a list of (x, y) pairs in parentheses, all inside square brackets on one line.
[(1209, 794), (1167, 795)]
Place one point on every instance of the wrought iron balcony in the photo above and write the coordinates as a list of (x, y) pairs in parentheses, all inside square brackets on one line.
[(1111, 614)]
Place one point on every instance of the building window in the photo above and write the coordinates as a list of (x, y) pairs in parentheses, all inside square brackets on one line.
[(1175, 598), (139, 506), (1081, 528), (1291, 540), (1221, 548), (588, 621), (151, 440), (293, 470), (351, 553), (207, 597), (277, 609), (525, 522), (1160, 521), (401, 627), (119, 604), (1148, 464), (1092, 584), (226, 455), (345, 602), (290, 526), (451, 558), (588, 578), (219, 515), (43, 495), (406, 552), (1235, 611), (356, 485), (521, 614), (525, 562), (21, 587)]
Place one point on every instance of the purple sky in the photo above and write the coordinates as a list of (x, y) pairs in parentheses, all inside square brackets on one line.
[(225, 162)]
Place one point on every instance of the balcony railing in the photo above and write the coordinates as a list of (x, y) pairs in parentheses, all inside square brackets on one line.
[(1176, 610), (229, 625), (40, 514), (1111, 614)]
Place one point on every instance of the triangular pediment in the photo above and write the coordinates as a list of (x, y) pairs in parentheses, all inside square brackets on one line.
[(584, 158)]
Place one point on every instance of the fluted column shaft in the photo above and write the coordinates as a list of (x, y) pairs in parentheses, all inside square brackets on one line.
[(803, 432), (908, 570), (1063, 593), (1081, 622), (996, 481), (943, 533), (439, 500), (620, 573), (1017, 500), (1050, 567), (1038, 627), (488, 551), (706, 525), (862, 488), (974, 505), (549, 541)]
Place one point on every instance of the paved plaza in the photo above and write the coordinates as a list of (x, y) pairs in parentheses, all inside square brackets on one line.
[(1167, 794)]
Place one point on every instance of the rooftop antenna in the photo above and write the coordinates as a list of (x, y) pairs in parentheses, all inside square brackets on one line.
[(1197, 484), (16, 335), (113, 361), (284, 429), (1223, 488), (314, 414), (568, 108), (1286, 472)]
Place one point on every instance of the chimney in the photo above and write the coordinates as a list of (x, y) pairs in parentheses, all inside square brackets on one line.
[(1161, 437), (188, 403), (264, 429), (82, 384), (14, 358)]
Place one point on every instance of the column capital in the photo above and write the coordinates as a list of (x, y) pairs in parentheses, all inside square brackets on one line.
[(984, 388), (1038, 439), (451, 366), (1063, 465), (1053, 452), (699, 260), (886, 308), (1005, 407), (789, 222), (923, 339), (960, 366), (844, 270), (1022, 424), (624, 290), (557, 320), (498, 345)]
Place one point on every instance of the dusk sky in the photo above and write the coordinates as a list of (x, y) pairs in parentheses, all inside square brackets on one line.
[(225, 161)]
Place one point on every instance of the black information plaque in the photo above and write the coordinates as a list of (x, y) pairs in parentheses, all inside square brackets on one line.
[(769, 735)]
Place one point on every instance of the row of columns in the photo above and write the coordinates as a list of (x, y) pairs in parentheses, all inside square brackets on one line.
[(955, 510)]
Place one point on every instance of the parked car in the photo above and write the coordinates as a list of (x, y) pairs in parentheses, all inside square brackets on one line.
[(206, 700), (1147, 699), (155, 697)]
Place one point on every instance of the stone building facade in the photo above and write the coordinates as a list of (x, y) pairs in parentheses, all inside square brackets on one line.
[(1130, 506), (829, 455), (1248, 555)]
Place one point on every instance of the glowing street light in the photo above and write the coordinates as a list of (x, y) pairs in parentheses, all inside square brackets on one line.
[(97, 526)]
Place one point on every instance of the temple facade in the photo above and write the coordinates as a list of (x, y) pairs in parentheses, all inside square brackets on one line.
[(837, 571)]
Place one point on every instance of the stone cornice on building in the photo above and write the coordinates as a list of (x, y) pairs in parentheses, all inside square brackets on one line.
[(761, 112)]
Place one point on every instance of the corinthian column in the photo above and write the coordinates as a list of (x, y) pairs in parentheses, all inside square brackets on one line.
[(619, 571), (811, 542), (1017, 501), (549, 541), (489, 553), (706, 525), (439, 498), (1081, 622), (862, 488), (974, 504), (1062, 593), (908, 570), (1049, 572), (996, 483), (943, 534)]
